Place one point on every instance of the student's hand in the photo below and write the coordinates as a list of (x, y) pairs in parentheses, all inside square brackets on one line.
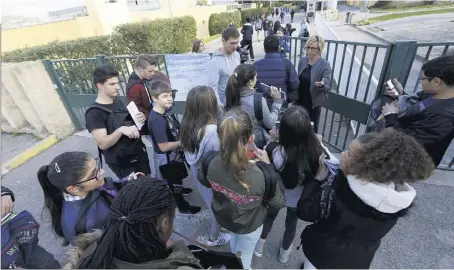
[(320, 84), (322, 172), (132, 132), (170, 243), (320, 138), (141, 117), (390, 108), (7, 205), (274, 134), (134, 176), (262, 155), (275, 92), (397, 86)]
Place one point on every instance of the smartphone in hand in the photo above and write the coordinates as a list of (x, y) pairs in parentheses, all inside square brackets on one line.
[(278, 125), (392, 88)]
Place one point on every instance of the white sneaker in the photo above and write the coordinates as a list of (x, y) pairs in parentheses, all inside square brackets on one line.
[(259, 247), (223, 239), (285, 254)]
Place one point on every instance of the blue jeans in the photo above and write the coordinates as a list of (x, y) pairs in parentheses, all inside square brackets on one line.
[(246, 244)]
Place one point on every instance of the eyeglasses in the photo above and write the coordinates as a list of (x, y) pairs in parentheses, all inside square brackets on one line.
[(96, 172), (312, 48), (425, 78)]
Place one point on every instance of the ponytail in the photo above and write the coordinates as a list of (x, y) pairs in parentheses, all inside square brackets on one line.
[(242, 75), (53, 199), (232, 92), (234, 132)]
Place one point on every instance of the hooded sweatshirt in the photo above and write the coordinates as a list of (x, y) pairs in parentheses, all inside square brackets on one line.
[(210, 142), (221, 67), (359, 214)]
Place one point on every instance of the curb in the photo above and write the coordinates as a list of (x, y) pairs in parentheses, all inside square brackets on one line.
[(371, 33), (28, 154)]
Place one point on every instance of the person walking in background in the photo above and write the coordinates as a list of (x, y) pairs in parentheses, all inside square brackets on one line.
[(239, 185), (277, 11), (315, 79), (304, 28), (223, 63), (277, 26), (197, 46), (241, 93), (296, 157), (282, 17), (277, 71), (258, 27), (265, 27), (272, 13), (292, 14), (356, 207), (198, 137), (289, 30), (248, 33)]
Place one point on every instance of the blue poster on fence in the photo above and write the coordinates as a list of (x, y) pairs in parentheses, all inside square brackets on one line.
[(186, 71)]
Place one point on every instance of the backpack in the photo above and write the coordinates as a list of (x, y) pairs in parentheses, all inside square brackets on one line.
[(269, 174), (126, 151), (19, 239), (258, 25)]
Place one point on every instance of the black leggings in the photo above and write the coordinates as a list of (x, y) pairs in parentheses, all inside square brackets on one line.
[(291, 220)]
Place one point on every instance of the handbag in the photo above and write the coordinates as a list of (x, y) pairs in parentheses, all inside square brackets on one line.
[(175, 170)]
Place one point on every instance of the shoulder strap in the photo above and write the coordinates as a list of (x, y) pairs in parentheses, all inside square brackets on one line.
[(270, 148), (287, 70), (81, 220), (258, 110), (94, 106), (206, 160), (270, 181)]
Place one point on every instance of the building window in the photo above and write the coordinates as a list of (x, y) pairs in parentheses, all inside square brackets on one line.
[(143, 5)]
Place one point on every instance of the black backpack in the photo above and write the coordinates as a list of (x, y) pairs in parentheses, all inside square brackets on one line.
[(126, 151), (268, 171)]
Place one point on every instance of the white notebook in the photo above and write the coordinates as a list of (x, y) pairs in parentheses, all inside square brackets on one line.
[(133, 111)]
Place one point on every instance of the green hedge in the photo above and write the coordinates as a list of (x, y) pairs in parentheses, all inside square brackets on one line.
[(173, 35), (219, 21)]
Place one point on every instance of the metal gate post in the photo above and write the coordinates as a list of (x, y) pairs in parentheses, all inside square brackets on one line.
[(59, 88), (100, 60), (399, 65)]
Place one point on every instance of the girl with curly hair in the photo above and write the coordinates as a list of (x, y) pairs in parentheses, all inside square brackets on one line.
[(355, 208)]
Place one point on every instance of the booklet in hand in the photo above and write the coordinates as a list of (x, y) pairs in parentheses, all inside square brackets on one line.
[(133, 111)]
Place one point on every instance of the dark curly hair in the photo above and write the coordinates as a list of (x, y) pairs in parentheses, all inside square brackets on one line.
[(391, 156)]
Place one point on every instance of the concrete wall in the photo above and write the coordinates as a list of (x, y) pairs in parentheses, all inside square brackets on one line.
[(30, 103)]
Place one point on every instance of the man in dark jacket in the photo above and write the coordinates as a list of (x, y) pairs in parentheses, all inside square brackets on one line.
[(137, 88), (248, 32), (433, 127), (292, 14), (274, 70)]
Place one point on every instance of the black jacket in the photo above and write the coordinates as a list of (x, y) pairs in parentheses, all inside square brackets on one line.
[(349, 237), (7, 191), (247, 31), (433, 127)]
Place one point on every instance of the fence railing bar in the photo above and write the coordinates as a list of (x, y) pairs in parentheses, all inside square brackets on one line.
[(426, 44), (332, 125), (350, 70), (290, 51), (347, 132), (360, 71), (339, 127), (341, 68), (334, 62), (445, 50), (294, 53), (429, 50), (327, 52), (383, 72), (371, 74), (324, 123)]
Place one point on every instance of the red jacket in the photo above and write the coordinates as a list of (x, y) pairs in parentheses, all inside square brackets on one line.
[(137, 92)]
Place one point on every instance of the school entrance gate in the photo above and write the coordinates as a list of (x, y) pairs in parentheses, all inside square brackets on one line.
[(359, 71)]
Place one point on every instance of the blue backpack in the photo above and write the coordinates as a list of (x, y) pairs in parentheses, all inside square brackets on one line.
[(19, 239)]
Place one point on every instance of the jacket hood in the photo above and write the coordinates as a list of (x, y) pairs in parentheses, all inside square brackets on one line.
[(180, 258), (83, 242), (386, 198), (210, 141)]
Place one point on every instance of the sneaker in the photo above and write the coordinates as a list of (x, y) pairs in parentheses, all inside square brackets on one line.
[(190, 210), (285, 254), (223, 239), (259, 247)]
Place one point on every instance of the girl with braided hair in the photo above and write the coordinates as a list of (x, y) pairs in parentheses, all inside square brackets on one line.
[(136, 234)]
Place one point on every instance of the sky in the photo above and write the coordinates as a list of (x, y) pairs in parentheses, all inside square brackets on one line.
[(35, 7)]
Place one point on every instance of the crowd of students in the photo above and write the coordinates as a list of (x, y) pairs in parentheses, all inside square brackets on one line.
[(252, 149)]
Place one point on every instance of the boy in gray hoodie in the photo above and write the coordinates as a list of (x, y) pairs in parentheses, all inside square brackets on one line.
[(224, 62)]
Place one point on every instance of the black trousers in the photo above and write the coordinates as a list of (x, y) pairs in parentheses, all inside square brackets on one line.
[(251, 48), (291, 220), (142, 165)]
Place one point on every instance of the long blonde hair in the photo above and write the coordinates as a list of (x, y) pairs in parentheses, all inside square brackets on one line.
[(234, 132)]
